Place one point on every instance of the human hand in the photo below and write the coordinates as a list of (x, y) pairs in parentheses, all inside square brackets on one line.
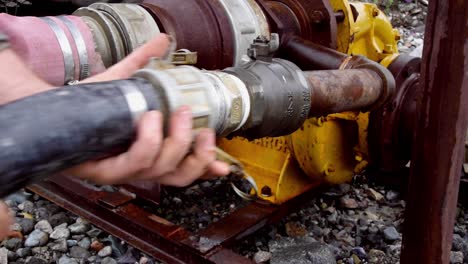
[(5, 220), (151, 157)]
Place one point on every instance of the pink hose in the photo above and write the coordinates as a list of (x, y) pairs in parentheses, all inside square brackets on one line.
[(37, 44)]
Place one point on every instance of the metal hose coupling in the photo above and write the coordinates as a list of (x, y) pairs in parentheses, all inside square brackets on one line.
[(265, 97), (218, 100)]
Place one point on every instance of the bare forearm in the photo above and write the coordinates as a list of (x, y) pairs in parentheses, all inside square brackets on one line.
[(16, 80)]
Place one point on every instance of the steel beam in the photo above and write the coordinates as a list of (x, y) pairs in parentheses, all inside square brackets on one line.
[(438, 149)]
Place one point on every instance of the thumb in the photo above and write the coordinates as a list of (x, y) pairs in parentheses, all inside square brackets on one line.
[(156, 47)]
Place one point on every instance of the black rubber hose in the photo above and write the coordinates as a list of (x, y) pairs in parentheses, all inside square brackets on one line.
[(51, 131)]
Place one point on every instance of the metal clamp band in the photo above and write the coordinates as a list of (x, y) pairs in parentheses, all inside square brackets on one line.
[(4, 43), (67, 52), (80, 46), (135, 99)]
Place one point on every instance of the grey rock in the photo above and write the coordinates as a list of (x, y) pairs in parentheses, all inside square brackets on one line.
[(66, 260), (376, 256), (348, 203), (39, 250), (456, 257), (60, 245), (62, 225), (13, 243), (108, 260), (26, 206), (85, 243), (16, 227), (94, 232), (60, 233), (92, 259), (36, 238), (11, 255), (59, 218), (3, 255), (391, 195), (417, 52), (23, 252), (460, 244), (332, 218), (18, 197), (36, 260), (300, 251), (45, 226), (377, 196), (41, 214), (262, 256), (360, 252), (105, 252), (391, 234), (344, 188), (77, 237), (26, 224), (79, 228), (79, 252), (72, 243)]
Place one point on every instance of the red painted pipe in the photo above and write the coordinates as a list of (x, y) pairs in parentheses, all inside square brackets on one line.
[(39, 45)]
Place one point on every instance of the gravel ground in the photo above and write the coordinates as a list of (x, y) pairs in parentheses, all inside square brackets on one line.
[(350, 223)]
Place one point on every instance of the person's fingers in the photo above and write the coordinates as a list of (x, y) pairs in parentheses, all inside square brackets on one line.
[(135, 61), (139, 157), (216, 169), (5, 220), (196, 164), (176, 146)]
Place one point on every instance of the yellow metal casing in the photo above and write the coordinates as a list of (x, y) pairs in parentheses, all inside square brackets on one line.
[(328, 149)]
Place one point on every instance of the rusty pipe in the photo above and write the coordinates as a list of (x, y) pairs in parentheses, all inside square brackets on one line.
[(310, 56), (335, 91)]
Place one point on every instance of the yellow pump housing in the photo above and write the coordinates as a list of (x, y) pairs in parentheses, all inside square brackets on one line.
[(328, 149)]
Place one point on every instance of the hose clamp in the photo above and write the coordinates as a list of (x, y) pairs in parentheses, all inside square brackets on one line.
[(67, 52), (4, 43), (80, 46), (135, 100)]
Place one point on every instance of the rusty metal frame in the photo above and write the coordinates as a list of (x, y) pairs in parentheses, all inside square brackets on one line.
[(438, 148), (119, 214)]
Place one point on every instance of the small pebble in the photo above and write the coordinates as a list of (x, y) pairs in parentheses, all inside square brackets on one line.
[(108, 260), (26, 206), (60, 233), (37, 238), (79, 252), (13, 243), (105, 252), (456, 257), (85, 243), (66, 260), (45, 226), (262, 257), (60, 245), (391, 234), (23, 252), (79, 228)]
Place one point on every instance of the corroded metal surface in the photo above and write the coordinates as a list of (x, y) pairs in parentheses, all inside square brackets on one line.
[(310, 56), (200, 26), (440, 134), (121, 214), (336, 91), (312, 19), (391, 128)]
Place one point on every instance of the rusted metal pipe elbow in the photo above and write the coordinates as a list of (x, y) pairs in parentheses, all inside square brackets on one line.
[(335, 91)]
